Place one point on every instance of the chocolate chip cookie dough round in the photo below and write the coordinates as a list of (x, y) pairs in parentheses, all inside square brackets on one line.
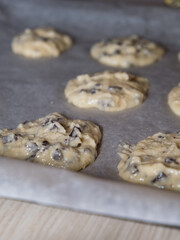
[(175, 3), (52, 140), (41, 42), (154, 161), (174, 100), (179, 56), (107, 91), (126, 52)]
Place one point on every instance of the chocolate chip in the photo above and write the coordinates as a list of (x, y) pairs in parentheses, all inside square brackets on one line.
[(92, 90), (25, 122), (116, 88), (160, 176), (9, 138), (59, 119), (162, 137), (170, 160), (134, 169), (105, 54), (54, 127), (57, 155), (134, 41), (6, 139), (118, 51), (108, 54), (31, 158), (119, 43), (97, 85), (105, 103), (45, 145), (83, 90), (44, 39), (75, 132), (66, 141), (16, 136), (54, 122), (46, 122), (138, 50), (87, 150), (83, 126), (32, 147)]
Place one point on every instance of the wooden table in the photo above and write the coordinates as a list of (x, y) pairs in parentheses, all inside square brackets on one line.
[(24, 221)]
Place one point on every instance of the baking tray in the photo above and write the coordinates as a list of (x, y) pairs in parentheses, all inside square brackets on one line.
[(30, 89)]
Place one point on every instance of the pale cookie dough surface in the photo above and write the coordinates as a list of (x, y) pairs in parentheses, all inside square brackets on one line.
[(174, 100), (154, 161), (175, 3), (107, 91), (53, 140), (41, 42), (126, 52)]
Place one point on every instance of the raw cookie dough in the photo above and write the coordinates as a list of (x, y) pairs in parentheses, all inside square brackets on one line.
[(53, 140), (174, 99), (107, 91), (179, 56), (41, 42), (126, 52), (154, 161), (175, 3)]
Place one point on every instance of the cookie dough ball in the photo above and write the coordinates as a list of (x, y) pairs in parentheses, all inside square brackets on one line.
[(175, 3), (41, 42), (179, 56), (154, 161), (174, 100), (107, 91), (126, 52), (52, 140)]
